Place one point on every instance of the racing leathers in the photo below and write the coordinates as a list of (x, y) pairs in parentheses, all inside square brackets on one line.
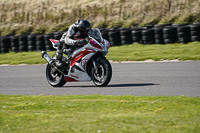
[(70, 40)]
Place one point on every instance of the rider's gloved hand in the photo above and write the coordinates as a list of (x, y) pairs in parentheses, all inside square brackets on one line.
[(80, 42)]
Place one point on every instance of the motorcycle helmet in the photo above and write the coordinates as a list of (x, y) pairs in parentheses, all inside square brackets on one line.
[(83, 25)]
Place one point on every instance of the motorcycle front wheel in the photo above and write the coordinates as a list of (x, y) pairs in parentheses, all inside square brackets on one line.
[(54, 78), (101, 76)]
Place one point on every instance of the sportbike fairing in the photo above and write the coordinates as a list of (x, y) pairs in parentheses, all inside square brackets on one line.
[(81, 56)]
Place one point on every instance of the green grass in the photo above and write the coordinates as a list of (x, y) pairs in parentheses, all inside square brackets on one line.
[(133, 52), (95, 113), (138, 52), (13, 58)]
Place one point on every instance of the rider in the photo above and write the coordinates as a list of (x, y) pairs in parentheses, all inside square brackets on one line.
[(75, 36)]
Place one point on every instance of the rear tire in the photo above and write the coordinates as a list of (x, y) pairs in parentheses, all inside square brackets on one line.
[(54, 78), (103, 75)]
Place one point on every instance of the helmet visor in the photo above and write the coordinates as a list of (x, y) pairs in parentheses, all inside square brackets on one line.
[(83, 29)]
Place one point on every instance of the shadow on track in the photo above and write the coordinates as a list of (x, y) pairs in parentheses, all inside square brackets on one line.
[(120, 85), (132, 85)]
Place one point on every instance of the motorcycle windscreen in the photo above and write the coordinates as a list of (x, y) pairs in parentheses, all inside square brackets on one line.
[(96, 34)]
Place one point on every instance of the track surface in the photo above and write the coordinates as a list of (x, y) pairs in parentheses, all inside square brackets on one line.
[(139, 79)]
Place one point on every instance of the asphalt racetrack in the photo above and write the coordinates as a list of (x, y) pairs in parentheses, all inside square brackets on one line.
[(137, 79)]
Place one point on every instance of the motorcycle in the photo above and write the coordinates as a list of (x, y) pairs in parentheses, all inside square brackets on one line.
[(87, 63)]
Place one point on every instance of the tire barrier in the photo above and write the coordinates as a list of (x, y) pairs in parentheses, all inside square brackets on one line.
[(40, 44), (195, 32), (137, 35), (57, 35), (114, 37), (170, 34), (158, 30), (183, 33), (161, 25), (5, 44), (104, 33), (23, 44), (14, 43), (126, 36), (150, 34), (48, 44), (32, 42), (159, 35)]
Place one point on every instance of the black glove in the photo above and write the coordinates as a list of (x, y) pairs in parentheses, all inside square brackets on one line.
[(80, 42)]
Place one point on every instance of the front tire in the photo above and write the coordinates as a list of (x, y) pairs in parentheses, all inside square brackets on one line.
[(54, 78), (102, 75)]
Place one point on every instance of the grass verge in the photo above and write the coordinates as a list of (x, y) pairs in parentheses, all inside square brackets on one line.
[(133, 52), (95, 113), (138, 52)]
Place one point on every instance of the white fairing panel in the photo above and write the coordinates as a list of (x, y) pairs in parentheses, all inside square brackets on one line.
[(81, 75)]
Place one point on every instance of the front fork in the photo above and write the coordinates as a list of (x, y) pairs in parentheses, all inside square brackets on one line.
[(96, 63)]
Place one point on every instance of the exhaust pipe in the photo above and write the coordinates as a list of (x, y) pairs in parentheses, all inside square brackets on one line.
[(50, 61), (46, 57)]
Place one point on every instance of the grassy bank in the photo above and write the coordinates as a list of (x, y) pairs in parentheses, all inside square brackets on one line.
[(134, 52), (22, 16), (138, 52), (96, 113)]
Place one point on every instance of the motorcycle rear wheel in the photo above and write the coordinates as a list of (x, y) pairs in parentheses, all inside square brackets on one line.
[(54, 78), (102, 76)]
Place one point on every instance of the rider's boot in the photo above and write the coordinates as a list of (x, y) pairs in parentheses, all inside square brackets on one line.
[(59, 56), (68, 52)]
